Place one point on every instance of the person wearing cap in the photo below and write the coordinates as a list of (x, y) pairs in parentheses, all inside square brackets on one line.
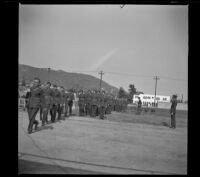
[(34, 104), (46, 102), (173, 111)]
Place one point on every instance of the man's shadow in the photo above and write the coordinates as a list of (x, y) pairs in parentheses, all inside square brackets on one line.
[(40, 128), (165, 124)]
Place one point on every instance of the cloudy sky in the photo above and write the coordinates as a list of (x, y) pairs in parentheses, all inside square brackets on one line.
[(131, 44)]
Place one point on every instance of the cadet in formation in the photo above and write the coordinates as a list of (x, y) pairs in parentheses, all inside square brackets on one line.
[(34, 104), (46, 102), (98, 103)]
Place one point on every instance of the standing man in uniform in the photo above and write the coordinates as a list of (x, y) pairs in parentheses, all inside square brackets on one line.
[(70, 102), (94, 104), (62, 100), (66, 103), (46, 102), (58, 101), (34, 104), (139, 106), (173, 111), (102, 105), (81, 104), (54, 105)]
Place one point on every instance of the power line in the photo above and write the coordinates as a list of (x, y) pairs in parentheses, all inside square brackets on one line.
[(131, 75)]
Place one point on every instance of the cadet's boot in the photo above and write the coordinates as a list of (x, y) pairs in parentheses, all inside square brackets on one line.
[(29, 131), (36, 125)]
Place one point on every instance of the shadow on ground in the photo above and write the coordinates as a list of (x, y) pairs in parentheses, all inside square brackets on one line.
[(29, 167)]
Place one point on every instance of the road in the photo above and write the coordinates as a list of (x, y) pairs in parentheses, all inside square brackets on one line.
[(85, 145)]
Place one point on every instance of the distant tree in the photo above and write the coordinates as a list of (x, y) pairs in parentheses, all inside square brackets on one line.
[(132, 91), (122, 93)]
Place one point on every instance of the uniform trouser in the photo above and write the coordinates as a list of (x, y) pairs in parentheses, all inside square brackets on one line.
[(66, 108), (102, 112), (70, 109), (88, 109), (93, 111), (107, 109), (41, 111), (45, 111), (97, 111), (59, 110), (32, 112), (81, 110), (53, 112), (173, 121)]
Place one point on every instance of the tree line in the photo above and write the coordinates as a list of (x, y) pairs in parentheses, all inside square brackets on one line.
[(128, 95)]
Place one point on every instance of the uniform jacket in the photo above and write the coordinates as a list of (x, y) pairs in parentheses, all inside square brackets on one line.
[(35, 97), (62, 97), (46, 96), (173, 106), (57, 97)]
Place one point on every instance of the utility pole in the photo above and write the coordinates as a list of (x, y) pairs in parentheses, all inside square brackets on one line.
[(101, 73), (49, 73), (156, 78)]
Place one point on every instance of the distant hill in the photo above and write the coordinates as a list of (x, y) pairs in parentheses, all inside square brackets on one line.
[(66, 79)]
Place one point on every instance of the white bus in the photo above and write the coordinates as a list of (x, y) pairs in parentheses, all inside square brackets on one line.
[(148, 100)]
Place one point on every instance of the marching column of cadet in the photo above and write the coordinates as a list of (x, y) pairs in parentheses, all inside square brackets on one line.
[(47, 99), (56, 100)]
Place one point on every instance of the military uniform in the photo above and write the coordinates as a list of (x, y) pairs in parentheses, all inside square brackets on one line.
[(70, 102), (102, 106), (53, 107), (66, 103), (139, 108), (34, 104), (88, 103), (81, 104), (46, 103), (173, 113), (94, 105), (58, 103), (62, 101)]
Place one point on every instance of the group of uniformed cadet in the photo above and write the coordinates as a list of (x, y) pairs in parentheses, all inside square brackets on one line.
[(47, 98), (98, 103), (56, 100)]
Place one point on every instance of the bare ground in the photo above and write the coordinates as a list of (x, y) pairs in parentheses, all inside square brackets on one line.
[(121, 144)]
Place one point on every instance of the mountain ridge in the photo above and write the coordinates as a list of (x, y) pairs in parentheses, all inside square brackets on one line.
[(63, 78)]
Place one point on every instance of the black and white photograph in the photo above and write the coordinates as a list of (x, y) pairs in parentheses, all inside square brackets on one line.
[(103, 89)]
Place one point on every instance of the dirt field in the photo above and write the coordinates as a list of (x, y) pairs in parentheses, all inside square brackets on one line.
[(124, 143)]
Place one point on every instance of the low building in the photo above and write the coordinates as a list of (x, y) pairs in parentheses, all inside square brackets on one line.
[(148, 99)]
